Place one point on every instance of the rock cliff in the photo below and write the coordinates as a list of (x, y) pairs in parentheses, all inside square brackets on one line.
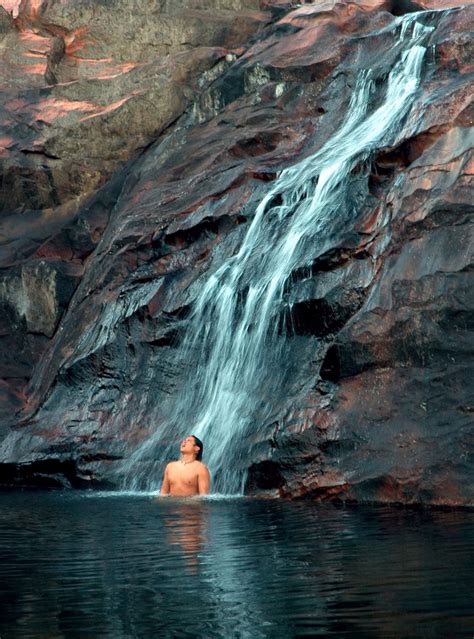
[(136, 140)]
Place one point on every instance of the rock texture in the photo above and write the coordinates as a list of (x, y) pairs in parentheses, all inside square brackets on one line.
[(134, 150)]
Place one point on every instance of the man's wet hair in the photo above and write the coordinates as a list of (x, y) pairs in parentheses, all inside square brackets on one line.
[(199, 443)]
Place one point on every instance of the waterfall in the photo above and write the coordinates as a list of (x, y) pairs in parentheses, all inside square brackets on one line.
[(234, 329)]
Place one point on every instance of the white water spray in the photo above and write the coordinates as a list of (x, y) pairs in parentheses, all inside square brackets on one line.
[(233, 329)]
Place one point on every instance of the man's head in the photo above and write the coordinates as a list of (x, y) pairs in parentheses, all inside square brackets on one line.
[(192, 445)]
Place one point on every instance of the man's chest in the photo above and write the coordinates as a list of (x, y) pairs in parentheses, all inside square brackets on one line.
[(180, 474)]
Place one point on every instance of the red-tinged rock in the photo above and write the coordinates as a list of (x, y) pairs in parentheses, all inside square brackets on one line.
[(442, 4), (72, 116), (133, 176), (89, 99)]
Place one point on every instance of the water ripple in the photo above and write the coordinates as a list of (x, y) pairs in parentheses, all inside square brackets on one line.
[(128, 566)]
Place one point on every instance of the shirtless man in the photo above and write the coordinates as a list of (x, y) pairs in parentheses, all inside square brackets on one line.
[(188, 476)]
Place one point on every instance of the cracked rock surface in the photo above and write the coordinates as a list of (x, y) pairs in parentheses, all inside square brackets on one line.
[(136, 139)]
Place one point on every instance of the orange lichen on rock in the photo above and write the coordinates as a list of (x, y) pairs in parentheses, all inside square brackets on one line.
[(33, 69), (51, 109), (38, 43), (111, 107), (77, 39), (11, 6), (5, 142)]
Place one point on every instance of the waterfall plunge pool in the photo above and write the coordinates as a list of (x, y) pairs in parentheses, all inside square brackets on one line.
[(109, 565)]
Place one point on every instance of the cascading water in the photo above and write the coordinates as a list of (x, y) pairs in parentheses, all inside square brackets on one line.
[(234, 332)]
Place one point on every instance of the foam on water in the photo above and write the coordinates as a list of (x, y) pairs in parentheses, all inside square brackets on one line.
[(146, 494)]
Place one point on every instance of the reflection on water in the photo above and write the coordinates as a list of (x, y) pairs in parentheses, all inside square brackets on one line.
[(184, 524), (73, 565)]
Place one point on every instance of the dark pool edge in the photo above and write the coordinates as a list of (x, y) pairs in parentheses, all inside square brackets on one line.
[(101, 491)]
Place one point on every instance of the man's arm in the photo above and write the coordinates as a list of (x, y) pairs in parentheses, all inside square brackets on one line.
[(204, 480), (165, 486)]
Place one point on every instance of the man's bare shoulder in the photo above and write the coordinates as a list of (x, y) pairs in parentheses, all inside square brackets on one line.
[(202, 468)]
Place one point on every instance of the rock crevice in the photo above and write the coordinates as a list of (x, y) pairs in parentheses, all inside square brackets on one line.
[(131, 168)]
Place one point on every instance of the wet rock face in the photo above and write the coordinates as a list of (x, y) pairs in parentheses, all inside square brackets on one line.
[(133, 158), (85, 87)]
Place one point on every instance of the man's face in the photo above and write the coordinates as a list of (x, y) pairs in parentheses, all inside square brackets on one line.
[(188, 446)]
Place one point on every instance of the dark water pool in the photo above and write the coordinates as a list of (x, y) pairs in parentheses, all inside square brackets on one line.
[(76, 565)]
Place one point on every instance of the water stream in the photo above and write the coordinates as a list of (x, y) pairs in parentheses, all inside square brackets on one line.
[(233, 329)]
